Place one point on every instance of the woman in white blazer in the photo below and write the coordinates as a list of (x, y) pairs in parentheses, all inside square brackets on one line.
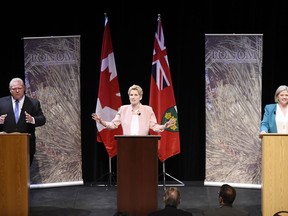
[(135, 118)]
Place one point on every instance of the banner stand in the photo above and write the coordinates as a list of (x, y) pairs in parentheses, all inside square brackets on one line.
[(51, 64)]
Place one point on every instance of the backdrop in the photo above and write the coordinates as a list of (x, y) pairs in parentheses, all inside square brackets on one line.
[(233, 108), (52, 75), (133, 31)]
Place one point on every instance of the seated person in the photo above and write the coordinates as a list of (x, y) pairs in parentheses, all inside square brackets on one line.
[(226, 197), (172, 200)]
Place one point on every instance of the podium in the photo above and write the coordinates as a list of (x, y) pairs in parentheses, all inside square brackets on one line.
[(274, 173), (14, 174), (137, 174)]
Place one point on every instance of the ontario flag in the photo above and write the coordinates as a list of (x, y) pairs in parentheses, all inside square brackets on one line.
[(109, 97), (162, 98)]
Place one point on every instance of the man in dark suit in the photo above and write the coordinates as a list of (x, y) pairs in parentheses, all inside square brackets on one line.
[(226, 197), (20, 113), (172, 200)]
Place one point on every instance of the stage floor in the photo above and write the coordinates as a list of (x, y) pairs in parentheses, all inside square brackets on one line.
[(101, 200)]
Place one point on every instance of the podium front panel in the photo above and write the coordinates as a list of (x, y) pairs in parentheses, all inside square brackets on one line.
[(14, 174), (274, 173), (137, 174)]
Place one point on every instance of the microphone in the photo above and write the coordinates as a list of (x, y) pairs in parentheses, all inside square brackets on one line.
[(137, 112)]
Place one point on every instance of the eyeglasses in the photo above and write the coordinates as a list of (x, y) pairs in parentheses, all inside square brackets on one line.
[(15, 89)]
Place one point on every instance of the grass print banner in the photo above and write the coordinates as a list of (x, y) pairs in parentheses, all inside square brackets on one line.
[(233, 75), (52, 75)]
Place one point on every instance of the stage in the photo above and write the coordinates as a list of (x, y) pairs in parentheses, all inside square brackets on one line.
[(101, 199)]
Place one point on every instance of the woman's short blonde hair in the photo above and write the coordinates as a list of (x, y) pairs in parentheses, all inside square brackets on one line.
[(279, 90), (137, 88)]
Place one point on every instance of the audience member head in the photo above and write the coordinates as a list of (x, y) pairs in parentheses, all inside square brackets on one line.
[(172, 197), (227, 195)]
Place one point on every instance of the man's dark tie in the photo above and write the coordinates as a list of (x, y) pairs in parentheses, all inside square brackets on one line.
[(16, 110)]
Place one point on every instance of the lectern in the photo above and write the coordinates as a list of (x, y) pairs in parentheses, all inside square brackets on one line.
[(14, 174), (274, 173), (137, 174)]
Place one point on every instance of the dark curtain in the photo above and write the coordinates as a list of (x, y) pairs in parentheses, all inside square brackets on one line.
[(132, 31)]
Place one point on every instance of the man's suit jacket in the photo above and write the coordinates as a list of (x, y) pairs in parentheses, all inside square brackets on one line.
[(170, 211), (268, 122), (31, 106), (225, 211)]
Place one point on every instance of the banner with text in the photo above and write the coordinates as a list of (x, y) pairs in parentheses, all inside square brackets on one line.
[(52, 75), (233, 75)]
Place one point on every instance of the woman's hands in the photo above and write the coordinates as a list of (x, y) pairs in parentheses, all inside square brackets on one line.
[(97, 119), (170, 123)]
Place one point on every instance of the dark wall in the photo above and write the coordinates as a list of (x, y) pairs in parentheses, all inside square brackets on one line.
[(132, 30)]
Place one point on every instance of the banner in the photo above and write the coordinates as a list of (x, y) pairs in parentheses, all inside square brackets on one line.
[(233, 109), (109, 98), (162, 98), (52, 75)]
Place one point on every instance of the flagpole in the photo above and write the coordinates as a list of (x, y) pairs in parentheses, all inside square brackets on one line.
[(111, 177), (161, 89), (166, 174), (106, 94), (111, 180)]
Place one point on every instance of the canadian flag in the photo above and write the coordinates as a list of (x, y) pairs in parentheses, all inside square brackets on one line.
[(109, 97), (162, 98)]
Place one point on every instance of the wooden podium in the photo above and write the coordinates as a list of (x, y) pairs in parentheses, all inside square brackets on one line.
[(137, 174), (274, 173), (14, 174)]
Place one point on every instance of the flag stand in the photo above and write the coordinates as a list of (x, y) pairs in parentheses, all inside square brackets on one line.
[(111, 177), (164, 178)]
